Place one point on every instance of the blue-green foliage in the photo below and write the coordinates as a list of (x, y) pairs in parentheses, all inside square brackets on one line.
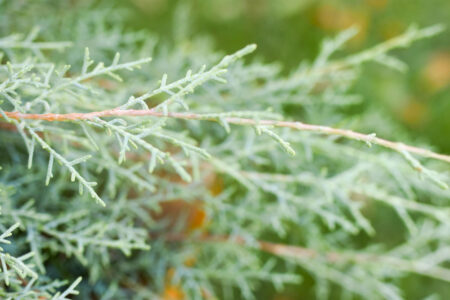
[(81, 197)]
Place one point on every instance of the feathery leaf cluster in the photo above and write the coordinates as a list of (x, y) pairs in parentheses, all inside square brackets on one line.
[(264, 195)]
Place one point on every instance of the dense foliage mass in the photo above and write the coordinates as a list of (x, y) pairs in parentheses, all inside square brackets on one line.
[(133, 168)]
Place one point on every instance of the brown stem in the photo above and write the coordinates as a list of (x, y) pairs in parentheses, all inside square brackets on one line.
[(232, 120), (283, 250), (300, 253)]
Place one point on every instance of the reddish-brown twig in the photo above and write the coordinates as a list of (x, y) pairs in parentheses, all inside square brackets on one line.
[(368, 138), (304, 254)]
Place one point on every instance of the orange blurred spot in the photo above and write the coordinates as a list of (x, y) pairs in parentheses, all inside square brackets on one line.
[(332, 18), (173, 292), (437, 71), (414, 113), (192, 212), (175, 210), (197, 219)]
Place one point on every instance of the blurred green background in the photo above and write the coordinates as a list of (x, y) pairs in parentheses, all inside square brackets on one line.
[(290, 31)]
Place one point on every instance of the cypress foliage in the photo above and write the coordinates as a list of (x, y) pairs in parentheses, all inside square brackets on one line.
[(136, 169)]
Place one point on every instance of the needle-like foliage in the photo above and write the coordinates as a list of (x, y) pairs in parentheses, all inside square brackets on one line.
[(210, 176)]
